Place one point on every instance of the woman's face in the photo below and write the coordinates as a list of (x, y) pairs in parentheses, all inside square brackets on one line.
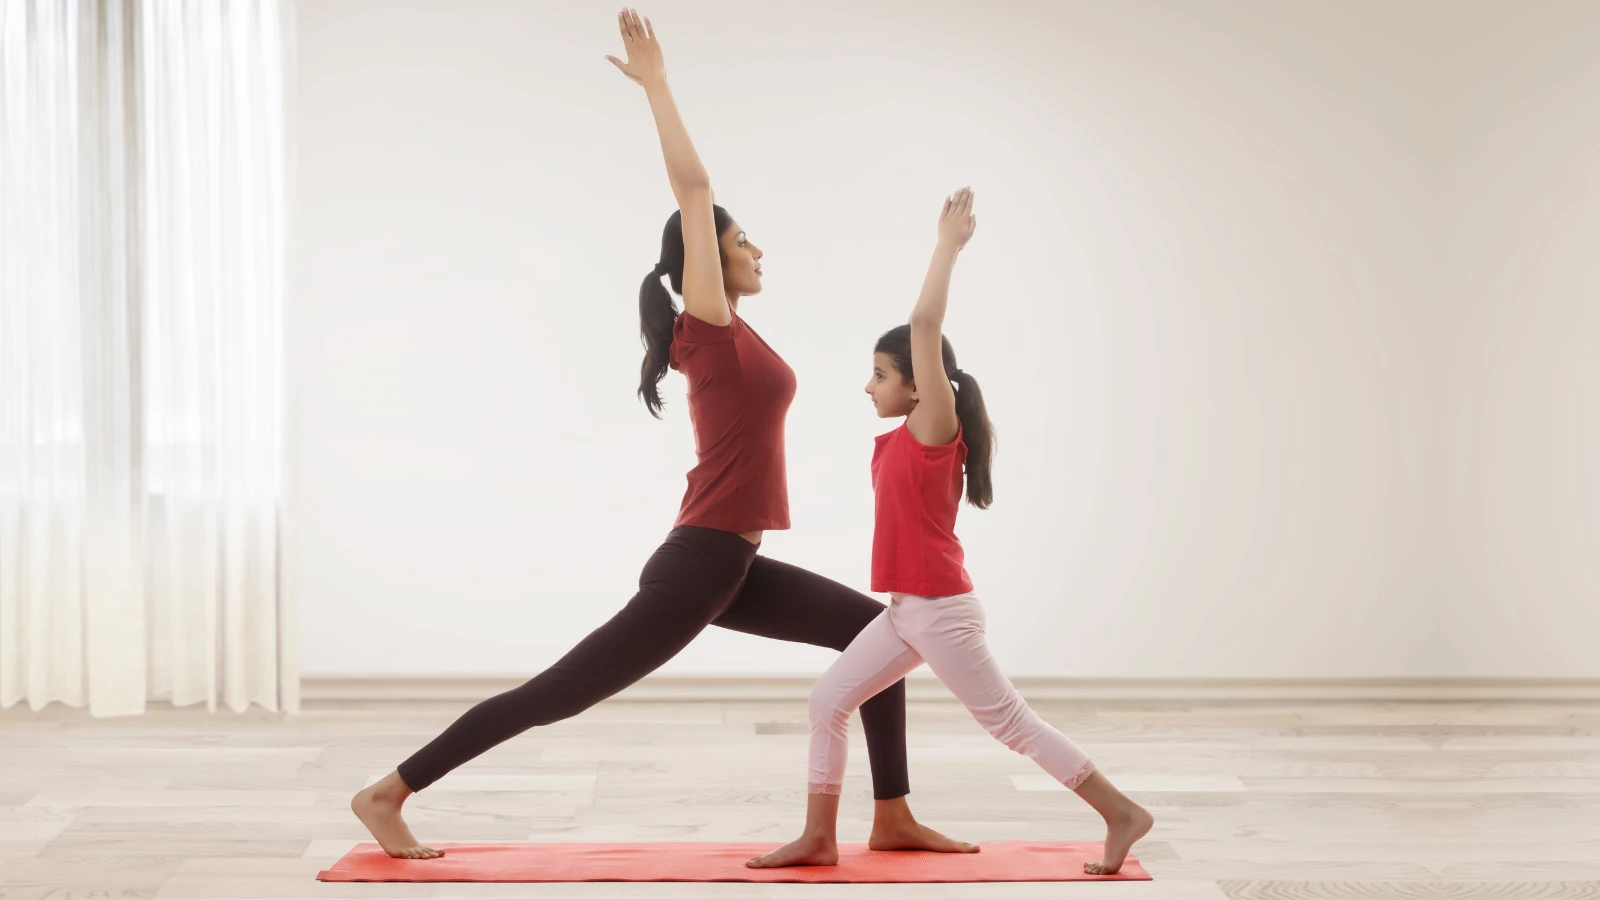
[(741, 263)]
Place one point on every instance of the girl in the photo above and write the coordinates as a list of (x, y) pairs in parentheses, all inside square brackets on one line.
[(933, 615), (707, 572)]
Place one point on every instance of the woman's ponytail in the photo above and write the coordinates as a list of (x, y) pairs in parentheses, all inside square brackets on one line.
[(657, 313)]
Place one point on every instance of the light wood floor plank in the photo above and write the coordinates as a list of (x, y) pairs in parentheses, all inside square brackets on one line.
[(1254, 801)]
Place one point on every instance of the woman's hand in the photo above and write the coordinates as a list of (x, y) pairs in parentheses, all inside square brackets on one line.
[(956, 222), (644, 65)]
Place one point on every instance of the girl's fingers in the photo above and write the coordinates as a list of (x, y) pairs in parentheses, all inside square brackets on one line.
[(649, 30)]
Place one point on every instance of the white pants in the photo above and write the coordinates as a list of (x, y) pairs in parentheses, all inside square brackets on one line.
[(948, 634)]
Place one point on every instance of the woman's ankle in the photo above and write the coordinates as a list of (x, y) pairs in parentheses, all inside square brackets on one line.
[(390, 788), (892, 811)]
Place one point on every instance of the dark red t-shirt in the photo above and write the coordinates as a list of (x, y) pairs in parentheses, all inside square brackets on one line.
[(917, 490), (739, 395)]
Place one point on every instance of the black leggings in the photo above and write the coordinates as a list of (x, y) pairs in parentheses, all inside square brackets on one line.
[(698, 577)]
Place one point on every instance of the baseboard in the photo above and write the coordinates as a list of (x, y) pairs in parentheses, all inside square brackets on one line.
[(713, 688)]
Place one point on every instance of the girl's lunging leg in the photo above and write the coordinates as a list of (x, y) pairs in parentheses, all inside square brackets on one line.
[(788, 603), (875, 659), (949, 632)]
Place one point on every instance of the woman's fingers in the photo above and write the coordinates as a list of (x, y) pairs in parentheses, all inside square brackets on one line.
[(958, 203), (649, 30)]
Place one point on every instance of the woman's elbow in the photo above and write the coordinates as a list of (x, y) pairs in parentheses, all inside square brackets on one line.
[(697, 188)]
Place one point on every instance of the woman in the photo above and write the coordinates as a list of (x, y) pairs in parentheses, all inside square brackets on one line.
[(708, 571)]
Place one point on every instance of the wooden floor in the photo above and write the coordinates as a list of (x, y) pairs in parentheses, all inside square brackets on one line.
[(1361, 800)]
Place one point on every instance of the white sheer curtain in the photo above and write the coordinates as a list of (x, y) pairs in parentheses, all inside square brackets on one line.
[(142, 268)]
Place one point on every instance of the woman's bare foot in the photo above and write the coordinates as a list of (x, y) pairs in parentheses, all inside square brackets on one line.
[(1121, 834), (894, 828), (915, 836), (378, 808), (805, 850)]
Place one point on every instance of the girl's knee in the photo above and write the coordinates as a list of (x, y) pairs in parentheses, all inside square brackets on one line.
[(1014, 724), (826, 703)]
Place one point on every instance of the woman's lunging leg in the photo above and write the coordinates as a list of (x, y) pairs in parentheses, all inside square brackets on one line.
[(653, 628), (689, 581)]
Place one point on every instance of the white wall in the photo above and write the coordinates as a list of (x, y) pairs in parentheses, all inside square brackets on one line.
[(1204, 301), (1519, 330)]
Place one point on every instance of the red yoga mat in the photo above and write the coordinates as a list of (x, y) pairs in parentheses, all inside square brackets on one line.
[(689, 861)]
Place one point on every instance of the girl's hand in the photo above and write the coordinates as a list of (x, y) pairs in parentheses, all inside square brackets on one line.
[(956, 222), (644, 64)]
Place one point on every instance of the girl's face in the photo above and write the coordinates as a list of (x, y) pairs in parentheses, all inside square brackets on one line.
[(890, 392)]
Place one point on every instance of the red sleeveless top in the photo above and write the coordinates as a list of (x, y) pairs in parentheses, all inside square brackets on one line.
[(739, 395), (918, 490)]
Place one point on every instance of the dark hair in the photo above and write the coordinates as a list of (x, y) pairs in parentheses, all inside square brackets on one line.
[(976, 428), (657, 312)]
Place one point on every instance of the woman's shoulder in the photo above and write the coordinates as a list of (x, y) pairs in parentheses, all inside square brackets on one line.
[(690, 328)]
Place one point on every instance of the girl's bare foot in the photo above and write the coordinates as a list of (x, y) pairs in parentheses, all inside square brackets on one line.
[(806, 850), (894, 828), (378, 808), (1121, 834)]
